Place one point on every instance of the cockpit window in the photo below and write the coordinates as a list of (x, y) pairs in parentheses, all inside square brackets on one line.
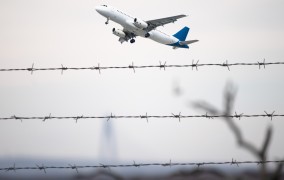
[(104, 5)]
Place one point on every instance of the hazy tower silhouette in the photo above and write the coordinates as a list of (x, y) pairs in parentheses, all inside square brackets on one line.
[(107, 148)]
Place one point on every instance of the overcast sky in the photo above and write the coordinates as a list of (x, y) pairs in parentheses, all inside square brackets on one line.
[(72, 33)]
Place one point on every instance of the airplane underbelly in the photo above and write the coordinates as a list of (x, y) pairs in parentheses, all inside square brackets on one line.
[(161, 37), (154, 34)]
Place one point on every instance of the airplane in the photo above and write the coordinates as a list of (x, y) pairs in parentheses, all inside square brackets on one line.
[(133, 27)]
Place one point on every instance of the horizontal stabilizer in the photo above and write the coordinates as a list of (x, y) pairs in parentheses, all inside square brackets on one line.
[(187, 42)]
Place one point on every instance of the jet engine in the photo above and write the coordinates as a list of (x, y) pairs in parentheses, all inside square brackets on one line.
[(118, 33), (148, 34), (140, 23)]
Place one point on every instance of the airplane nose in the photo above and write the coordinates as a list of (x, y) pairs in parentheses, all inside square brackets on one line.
[(101, 10), (98, 9)]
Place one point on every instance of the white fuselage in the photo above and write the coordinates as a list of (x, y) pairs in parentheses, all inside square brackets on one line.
[(127, 22)]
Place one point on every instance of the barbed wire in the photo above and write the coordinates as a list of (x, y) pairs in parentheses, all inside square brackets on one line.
[(134, 164), (146, 116), (161, 65)]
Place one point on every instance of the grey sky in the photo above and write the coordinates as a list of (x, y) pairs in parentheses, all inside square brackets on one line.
[(72, 33)]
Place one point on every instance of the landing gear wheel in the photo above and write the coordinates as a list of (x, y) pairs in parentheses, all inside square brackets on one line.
[(132, 41)]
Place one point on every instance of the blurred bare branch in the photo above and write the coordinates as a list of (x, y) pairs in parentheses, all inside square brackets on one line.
[(206, 107), (229, 99)]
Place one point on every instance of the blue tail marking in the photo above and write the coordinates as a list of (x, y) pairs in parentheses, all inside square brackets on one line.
[(181, 35)]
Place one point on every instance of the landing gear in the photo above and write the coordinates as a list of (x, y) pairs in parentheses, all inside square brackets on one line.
[(107, 21), (132, 41)]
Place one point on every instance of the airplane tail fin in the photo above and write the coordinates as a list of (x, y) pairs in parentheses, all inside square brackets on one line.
[(181, 35)]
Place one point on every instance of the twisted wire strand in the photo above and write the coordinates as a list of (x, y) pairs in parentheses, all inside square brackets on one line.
[(167, 164), (175, 116), (132, 66)]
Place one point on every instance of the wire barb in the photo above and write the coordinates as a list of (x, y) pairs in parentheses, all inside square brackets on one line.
[(136, 165), (261, 64), (209, 117), (168, 164), (195, 65), (78, 117), (226, 64), (234, 162), (97, 68), (144, 117), (46, 117), (105, 166), (41, 168), (13, 168), (132, 67), (74, 167), (16, 118), (111, 117), (32, 69), (163, 65), (177, 116), (270, 115), (238, 115), (200, 164), (63, 69)]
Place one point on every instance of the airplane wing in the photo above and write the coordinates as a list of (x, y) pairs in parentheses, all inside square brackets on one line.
[(152, 24)]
